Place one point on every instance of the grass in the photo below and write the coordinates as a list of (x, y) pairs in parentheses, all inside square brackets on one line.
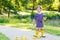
[(3, 37), (53, 30), (21, 25), (53, 23)]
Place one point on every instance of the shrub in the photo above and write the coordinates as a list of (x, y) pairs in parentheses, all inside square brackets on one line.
[(4, 20), (14, 21), (17, 17), (52, 15), (26, 20), (3, 37)]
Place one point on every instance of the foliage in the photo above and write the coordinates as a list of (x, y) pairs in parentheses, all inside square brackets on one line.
[(55, 22), (22, 5), (52, 15), (4, 20), (53, 30), (3, 37)]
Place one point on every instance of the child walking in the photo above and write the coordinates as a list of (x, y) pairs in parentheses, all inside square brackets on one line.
[(38, 18)]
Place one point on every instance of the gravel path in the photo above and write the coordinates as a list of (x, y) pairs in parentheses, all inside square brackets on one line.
[(12, 33)]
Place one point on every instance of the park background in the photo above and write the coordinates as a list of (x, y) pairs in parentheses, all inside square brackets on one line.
[(20, 13)]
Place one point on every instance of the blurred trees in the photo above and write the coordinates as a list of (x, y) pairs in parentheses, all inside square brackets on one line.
[(59, 6), (14, 6), (1, 6)]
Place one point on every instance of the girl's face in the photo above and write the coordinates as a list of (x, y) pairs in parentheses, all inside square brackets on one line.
[(38, 10)]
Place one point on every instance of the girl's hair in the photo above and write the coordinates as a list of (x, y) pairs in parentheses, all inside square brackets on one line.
[(39, 7)]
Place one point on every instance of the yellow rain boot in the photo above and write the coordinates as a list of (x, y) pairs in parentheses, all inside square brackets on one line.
[(42, 31), (37, 34)]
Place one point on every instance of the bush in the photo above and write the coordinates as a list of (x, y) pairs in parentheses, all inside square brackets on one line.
[(14, 21), (3, 37), (58, 16), (4, 20), (17, 17), (26, 20), (52, 15)]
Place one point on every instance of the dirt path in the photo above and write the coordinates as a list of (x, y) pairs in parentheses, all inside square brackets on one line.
[(12, 33)]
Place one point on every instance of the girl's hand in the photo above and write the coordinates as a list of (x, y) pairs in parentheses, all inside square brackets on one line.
[(44, 18)]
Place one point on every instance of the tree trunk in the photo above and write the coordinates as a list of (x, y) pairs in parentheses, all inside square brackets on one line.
[(32, 14), (59, 6), (1, 11), (9, 10), (9, 13)]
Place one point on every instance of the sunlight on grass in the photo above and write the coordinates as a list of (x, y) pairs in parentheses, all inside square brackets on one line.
[(21, 25)]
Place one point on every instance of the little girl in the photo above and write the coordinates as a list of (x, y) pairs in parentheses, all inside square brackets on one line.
[(39, 22)]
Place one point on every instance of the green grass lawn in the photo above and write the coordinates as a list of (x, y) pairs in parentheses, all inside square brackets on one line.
[(3, 37), (53, 30)]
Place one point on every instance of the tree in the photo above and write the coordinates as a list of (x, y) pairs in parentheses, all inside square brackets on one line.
[(1, 2), (47, 4), (9, 9), (59, 6), (10, 6), (17, 6), (23, 5), (32, 14)]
